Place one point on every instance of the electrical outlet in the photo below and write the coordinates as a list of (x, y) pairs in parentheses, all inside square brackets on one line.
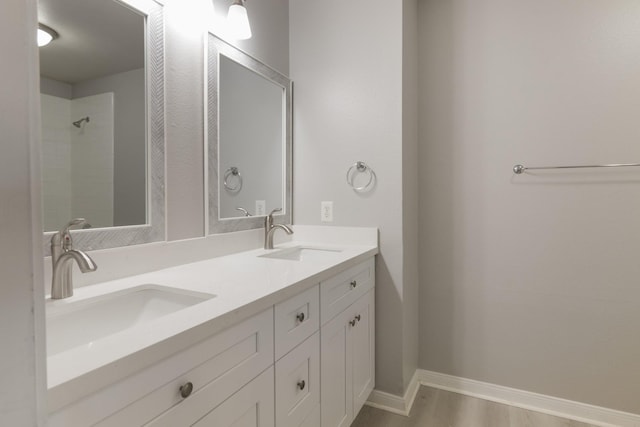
[(261, 208), (326, 211)]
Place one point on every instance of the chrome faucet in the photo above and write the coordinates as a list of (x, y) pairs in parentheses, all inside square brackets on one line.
[(270, 228), (62, 255), (244, 211)]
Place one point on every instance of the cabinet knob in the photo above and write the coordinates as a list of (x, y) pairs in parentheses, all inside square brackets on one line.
[(301, 384), (186, 389), (300, 317), (352, 322), (358, 317), (354, 283)]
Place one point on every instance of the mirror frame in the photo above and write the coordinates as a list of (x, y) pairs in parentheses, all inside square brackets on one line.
[(154, 229), (215, 48)]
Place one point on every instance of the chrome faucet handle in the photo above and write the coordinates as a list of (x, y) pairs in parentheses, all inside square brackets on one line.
[(274, 211), (62, 239), (268, 220), (244, 211)]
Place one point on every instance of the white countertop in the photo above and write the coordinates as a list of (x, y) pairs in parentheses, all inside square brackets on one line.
[(244, 284)]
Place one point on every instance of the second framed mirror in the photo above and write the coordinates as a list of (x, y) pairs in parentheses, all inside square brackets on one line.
[(249, 140)]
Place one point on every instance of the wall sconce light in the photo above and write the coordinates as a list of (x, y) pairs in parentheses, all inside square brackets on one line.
[(46, 34), (239, 21)]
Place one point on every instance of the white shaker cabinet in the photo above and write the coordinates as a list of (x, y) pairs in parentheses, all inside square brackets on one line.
[(362, 336), (181, 389), (347, 362), (307, 361), (347, 358), (298, 383)]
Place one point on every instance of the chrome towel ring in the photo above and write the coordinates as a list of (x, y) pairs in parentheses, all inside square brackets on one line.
[(360, 167), (229, 173)]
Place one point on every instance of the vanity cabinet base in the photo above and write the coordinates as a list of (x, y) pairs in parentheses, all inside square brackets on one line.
[(296, 364)]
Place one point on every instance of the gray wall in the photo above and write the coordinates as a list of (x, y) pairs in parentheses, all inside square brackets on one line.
[(129, 148), (349, 101), (531, 281), (410, 192), (56, 88), (22, 366)]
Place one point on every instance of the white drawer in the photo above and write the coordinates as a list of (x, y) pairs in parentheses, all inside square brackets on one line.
[(251, 406), (340, 291), (298, 383), (216, 367), (296, 319)]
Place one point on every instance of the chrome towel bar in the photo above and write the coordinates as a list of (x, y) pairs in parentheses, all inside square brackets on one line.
[(519, 169)]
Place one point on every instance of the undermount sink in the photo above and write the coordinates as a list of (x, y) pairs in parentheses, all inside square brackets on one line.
[(303, 253), (74, 324)]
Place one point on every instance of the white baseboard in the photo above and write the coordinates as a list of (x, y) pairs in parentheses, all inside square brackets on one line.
[(400, 405), (577, 411)]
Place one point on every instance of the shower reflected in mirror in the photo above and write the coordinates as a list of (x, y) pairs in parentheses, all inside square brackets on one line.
[(93, 104), (78, 123)]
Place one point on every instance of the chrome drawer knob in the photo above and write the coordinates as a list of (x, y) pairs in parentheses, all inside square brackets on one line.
[(186, 389), (300, 317), (354, 283), (301, 384)]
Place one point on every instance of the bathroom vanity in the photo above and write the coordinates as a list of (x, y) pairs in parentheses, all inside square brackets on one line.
[(257, 338)]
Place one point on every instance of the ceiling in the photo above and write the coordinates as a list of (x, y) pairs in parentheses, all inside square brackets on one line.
[(97, 38)]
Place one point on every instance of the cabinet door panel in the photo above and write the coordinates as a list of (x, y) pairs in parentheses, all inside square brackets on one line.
[(298, 383), (313, 420), (363, 338), (251, 406), (335, 372)]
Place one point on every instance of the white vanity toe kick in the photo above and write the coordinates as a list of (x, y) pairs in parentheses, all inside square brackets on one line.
[(241, 285)]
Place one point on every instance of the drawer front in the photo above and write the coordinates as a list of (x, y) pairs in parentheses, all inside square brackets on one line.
[(216, 367), (296, 319), (252, 353), (251, 406), (339, 292), (298, 383)]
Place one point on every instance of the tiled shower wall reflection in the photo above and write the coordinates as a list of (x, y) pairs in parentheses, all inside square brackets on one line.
[(77, 163)]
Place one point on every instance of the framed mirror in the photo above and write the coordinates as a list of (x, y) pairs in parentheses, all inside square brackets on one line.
[(249, 140), (102, 107)]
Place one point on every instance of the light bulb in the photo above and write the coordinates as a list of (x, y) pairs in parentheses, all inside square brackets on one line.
[(239, 21), (45, 35), (44, 38)]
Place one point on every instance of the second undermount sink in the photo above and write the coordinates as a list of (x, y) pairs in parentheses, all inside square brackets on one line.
[(303, 253), (76, 323)]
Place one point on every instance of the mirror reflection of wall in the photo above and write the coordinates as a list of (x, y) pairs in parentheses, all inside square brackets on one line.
[(93, 114), (252, 131)]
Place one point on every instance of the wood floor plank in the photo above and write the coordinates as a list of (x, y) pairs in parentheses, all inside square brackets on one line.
[(440, 408)]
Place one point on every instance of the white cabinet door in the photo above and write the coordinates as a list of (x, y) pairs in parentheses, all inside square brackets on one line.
[(363, 338), (298, 383), (335, 372), (251, 406), (313, 420)]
